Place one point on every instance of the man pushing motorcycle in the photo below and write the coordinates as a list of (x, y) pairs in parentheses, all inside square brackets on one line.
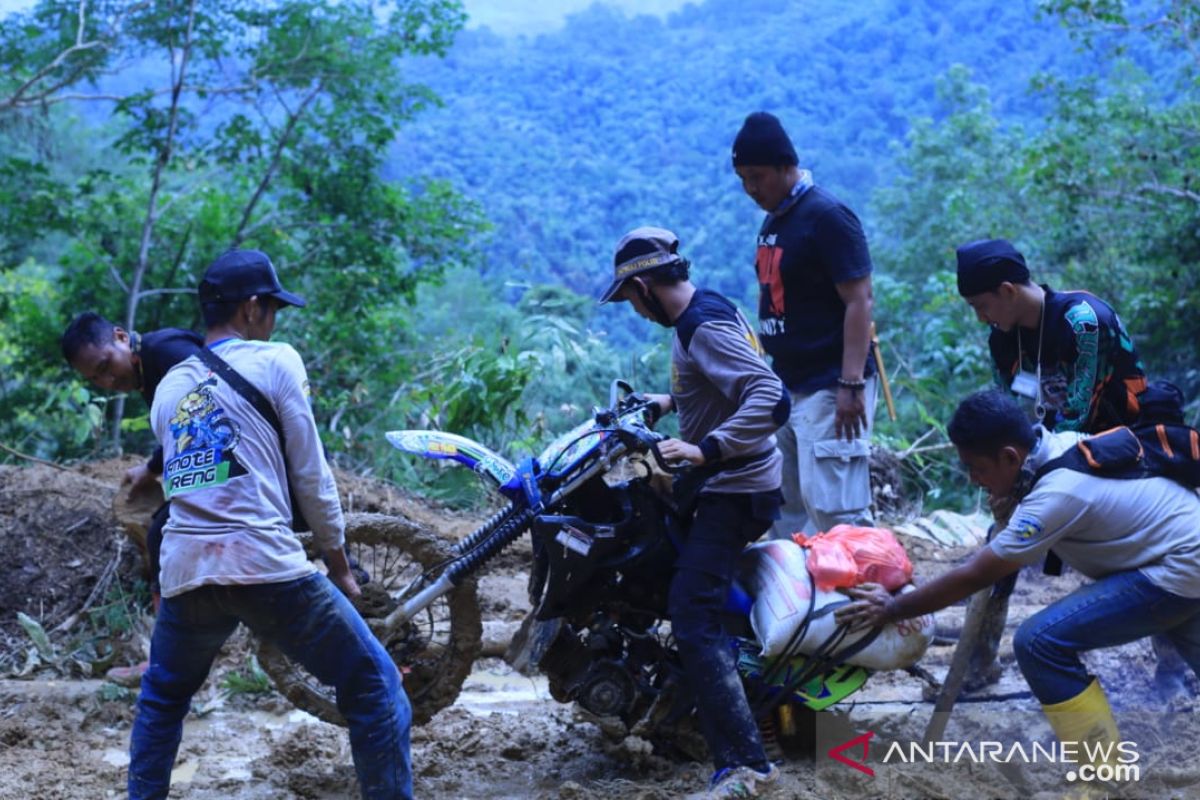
[(730, 404)]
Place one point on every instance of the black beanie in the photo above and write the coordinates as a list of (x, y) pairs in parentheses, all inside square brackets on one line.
[(762, 142), (987, 263)]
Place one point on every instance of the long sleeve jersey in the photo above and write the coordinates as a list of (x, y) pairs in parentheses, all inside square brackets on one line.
[(227, 477), (729, 401)]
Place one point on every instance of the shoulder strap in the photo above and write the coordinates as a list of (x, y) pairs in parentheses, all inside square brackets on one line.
[(247, 390)]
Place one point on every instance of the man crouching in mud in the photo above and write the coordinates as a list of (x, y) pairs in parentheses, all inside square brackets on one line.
[(1138, 539)]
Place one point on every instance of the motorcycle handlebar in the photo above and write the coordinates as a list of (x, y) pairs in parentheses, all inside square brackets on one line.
[(632, 401)]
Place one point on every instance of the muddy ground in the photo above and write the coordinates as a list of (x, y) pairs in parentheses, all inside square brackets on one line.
[(64, 730)]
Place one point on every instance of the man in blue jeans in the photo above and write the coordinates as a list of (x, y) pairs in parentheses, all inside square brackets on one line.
[(229, 554), (1138, 539), (729, 404)]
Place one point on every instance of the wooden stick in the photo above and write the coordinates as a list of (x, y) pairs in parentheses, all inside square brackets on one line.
[(883, 378), (34, 459), (977, 610)]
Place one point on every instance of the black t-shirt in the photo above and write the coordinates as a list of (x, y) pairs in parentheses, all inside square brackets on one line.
[(1091, 373), (815, 243), (158, 352)]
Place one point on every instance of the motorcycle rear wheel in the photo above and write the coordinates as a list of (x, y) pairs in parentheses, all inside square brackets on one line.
[(433, 651)]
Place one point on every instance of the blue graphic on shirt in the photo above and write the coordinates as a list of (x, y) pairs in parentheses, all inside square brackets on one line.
[(1027, 528), (204, 443)]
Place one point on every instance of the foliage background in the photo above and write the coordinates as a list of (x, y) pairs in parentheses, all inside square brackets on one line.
[(447, 198)]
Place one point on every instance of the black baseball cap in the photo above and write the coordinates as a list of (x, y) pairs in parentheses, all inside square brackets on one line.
[(239, 274)]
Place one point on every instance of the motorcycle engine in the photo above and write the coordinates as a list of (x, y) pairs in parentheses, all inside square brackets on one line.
[(606, 689), (585, 672)]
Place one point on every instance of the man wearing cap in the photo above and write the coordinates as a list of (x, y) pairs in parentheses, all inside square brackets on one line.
[(1069, 354), (729, 405), (1066, 351), (814, 315), (229, 554)]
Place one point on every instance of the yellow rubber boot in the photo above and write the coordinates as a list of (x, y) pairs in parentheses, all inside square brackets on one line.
[(1086, 720)]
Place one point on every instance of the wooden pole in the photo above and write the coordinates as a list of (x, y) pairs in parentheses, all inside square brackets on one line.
[(883, 378)]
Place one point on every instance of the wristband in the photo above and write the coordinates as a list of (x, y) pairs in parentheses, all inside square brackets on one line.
[(853, 386)]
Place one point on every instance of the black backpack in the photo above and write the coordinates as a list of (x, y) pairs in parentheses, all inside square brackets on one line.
[(1167, 449)]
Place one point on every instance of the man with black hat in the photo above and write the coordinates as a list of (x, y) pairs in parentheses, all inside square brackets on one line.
[(814, 312), (729, 405), (229, 553), (1066, 351)]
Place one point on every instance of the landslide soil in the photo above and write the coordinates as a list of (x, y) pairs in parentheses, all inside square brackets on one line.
[(64, 731)]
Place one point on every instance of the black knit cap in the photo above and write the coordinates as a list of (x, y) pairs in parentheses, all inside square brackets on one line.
[(987, 263), (762, 142)]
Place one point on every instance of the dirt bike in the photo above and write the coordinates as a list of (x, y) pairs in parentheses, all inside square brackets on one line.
[(605, 533)]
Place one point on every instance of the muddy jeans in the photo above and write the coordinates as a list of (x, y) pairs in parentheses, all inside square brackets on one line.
[(315, 625), (826, 480), (1115, 610), (723, 525)]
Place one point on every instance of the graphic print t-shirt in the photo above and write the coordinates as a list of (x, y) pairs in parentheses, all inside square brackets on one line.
[(1091, 373), (226, 476), (803, 253)]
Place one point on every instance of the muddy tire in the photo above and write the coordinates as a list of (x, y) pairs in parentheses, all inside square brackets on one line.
[(434, 651)]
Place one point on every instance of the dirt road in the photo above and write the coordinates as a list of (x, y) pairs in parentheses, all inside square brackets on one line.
[(504, 737)]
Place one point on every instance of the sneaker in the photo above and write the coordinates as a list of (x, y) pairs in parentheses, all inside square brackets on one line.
[(740, 783), (129, 677)]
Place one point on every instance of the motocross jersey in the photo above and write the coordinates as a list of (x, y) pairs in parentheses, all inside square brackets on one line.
[(729, 401), (227, 478)]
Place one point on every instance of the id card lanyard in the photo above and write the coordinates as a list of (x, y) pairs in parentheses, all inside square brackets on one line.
[(1039, 407)]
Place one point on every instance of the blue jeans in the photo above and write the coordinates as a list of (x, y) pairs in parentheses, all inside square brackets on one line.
[(724, 523), (1115, 610), (310, 621)]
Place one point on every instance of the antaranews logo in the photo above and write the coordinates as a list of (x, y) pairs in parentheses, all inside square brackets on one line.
[(1110, 762), (864, 740)]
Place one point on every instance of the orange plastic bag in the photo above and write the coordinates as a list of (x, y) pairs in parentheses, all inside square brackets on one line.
[(847, 555)]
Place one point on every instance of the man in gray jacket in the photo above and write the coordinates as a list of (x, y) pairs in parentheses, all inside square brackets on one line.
[(730, 404)]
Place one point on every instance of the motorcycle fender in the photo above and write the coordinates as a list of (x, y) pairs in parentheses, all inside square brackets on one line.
[(452, 447)]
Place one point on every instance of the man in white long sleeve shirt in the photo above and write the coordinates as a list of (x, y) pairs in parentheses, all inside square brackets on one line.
[(229, 553)]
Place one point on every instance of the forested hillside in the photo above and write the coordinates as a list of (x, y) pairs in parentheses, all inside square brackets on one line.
[(448, 198), (568, 139)]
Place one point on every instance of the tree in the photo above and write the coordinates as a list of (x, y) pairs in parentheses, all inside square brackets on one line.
[(232, 123)]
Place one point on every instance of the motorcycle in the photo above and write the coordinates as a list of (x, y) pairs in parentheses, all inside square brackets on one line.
[(606, 532)]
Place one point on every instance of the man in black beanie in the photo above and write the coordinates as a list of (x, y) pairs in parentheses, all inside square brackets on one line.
[(814, 311)]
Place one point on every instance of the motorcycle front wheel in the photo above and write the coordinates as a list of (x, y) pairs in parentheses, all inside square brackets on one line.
[(433, 651)]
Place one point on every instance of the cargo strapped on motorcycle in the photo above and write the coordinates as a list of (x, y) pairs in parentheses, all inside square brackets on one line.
[(825, 658)]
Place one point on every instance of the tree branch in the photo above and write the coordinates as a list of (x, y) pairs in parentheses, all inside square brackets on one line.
[(34, 459), (276, 157), (151, 220), (1158, 188), (153, 292), (20, 99)]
